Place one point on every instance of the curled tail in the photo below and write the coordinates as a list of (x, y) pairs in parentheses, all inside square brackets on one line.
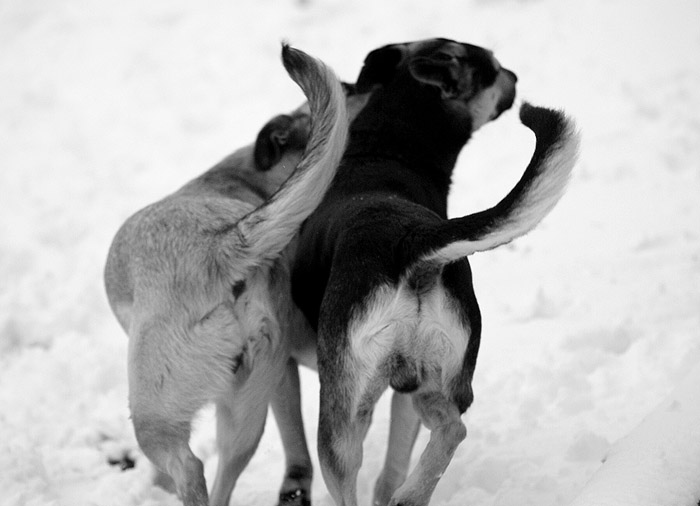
[(533, 197), (267, 230)]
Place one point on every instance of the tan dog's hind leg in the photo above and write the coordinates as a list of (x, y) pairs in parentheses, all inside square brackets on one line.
[(403, 432), (161, 420), (241, 410), (240, 421), (447, 431), (164, 481), (167, 446), (286, 406)]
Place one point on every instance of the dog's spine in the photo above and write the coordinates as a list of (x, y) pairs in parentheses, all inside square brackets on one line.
[(533, 197), (268, 229)]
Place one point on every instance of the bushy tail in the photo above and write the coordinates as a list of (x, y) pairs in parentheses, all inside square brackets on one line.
[(533, 197), (267, 230)]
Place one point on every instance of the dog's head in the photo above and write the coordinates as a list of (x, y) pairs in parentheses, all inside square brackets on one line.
[(470, 82)]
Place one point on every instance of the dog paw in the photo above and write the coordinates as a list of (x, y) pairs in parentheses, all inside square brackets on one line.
[(298, 497)]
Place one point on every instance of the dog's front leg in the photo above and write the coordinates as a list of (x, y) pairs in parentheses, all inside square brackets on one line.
[(447, 431), (403, 430), (286, 406)]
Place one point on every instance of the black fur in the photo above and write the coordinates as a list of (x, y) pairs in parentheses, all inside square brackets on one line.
[(394, 179), (379, 249)]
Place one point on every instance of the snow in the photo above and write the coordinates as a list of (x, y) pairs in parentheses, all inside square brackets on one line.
[(658, 464), (589, 322)]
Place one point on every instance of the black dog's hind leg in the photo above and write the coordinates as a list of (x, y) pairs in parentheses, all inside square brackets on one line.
[(344, 417), (403, 432), (447, 431)]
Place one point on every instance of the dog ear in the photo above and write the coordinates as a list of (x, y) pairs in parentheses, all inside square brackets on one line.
[(350, 89), (440, 69), (281, 133), (379, 67)]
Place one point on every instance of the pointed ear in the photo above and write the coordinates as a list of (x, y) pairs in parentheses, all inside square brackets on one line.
[(440, 69), (380, 66)]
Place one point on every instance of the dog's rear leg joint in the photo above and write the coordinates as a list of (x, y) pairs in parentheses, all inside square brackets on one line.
[(446, 433)]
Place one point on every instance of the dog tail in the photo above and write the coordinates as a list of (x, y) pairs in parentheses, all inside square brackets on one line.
[(267, 230), (533, 197)]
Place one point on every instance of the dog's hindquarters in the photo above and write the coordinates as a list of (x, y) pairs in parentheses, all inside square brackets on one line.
[(231, 355), (415, 343)]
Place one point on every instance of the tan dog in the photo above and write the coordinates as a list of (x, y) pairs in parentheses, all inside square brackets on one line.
[(200, 283)]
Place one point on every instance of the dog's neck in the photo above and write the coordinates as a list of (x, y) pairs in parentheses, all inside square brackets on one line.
[(407, 125)]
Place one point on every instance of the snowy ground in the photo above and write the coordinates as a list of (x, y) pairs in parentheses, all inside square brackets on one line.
[(588, 322)]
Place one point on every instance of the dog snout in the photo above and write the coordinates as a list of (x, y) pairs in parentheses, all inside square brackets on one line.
[(510, 75)]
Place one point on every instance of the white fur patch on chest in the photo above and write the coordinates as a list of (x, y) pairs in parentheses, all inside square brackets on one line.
[(426, 329)]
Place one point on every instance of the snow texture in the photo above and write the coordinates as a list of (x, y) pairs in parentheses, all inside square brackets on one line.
[(658, 464), (590, 321)]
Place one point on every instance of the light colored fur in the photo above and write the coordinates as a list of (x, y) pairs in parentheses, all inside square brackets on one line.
[(422, 329), (200, 282)]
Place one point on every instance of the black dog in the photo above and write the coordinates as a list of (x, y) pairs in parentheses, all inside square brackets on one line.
[(382, 273)]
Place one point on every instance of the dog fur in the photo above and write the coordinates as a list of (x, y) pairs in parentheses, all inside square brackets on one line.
[(200, 283), (382, 274)]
